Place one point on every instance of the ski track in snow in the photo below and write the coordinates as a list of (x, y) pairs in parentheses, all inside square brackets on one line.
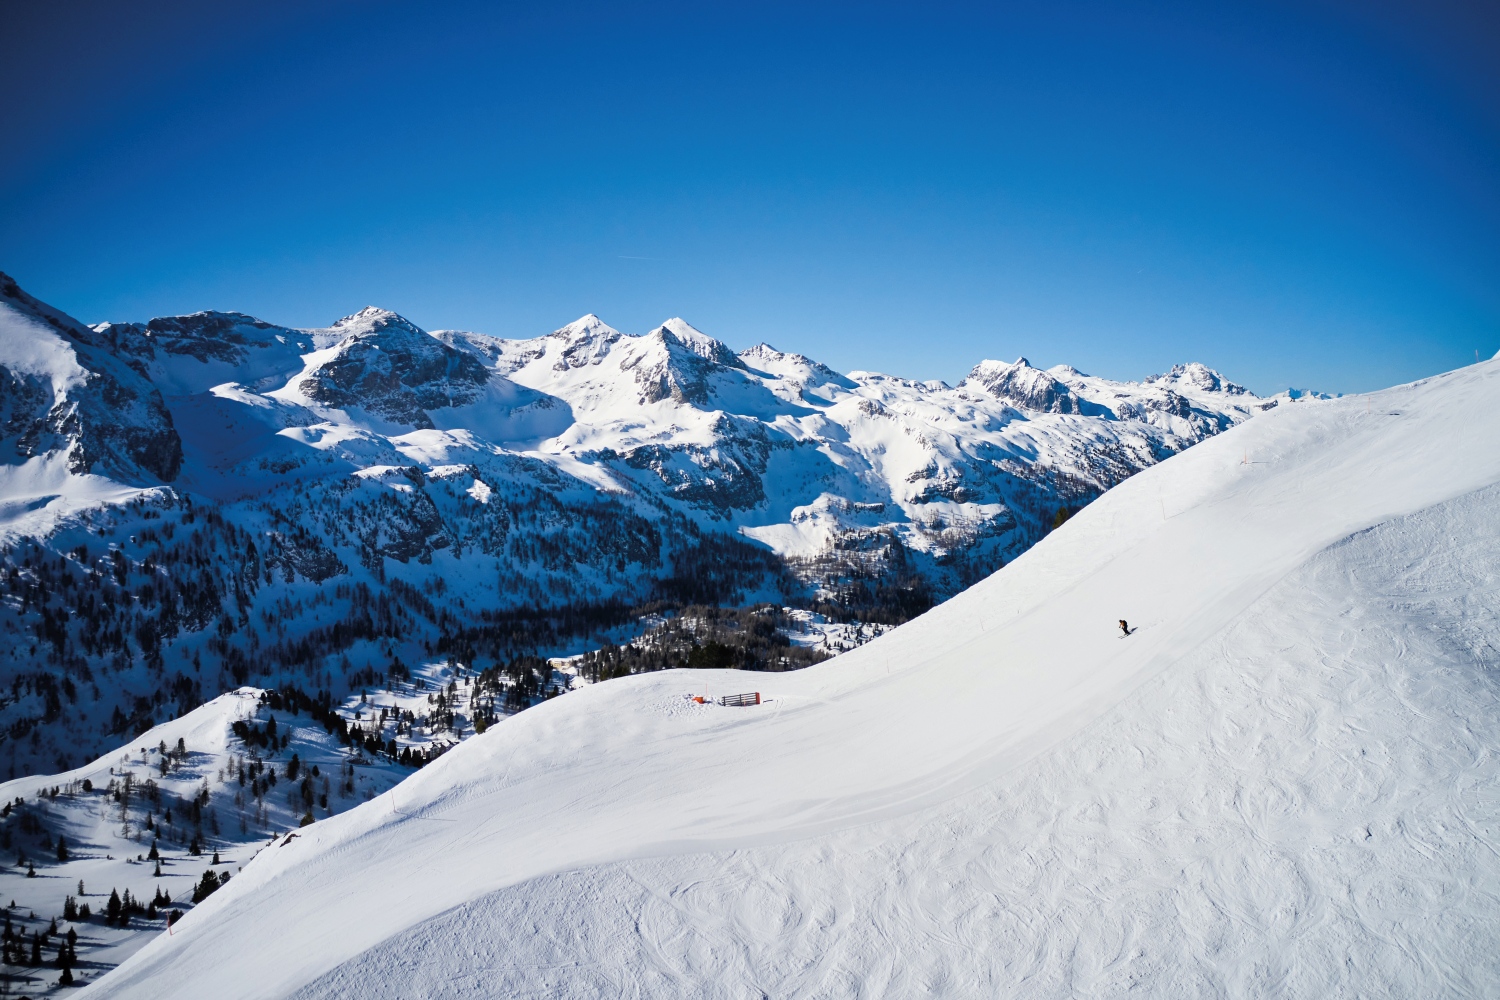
[(1283, 784)]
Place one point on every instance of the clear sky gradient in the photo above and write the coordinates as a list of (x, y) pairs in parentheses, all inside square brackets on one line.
[(1297, 194)]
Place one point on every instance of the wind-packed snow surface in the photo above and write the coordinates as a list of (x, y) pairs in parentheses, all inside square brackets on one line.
[(1283, 783)]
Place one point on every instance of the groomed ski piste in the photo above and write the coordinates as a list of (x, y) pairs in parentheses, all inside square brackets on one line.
[(1283, 784)]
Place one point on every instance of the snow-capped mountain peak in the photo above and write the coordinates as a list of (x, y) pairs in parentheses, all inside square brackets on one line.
[(1024, 386), (371, 321), (388, 366), (797, 368), (586, 327), (586, 341), (695, 340), (1195, 375)]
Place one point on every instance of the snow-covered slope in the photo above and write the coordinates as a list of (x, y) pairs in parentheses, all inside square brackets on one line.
[(189, 796), (1281, 783)]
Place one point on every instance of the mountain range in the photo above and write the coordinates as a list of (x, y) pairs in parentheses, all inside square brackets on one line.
[(197, 502)]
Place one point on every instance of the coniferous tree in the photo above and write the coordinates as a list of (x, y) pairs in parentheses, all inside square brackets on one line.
[(207, 885)]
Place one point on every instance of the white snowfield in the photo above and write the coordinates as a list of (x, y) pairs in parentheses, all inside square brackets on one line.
[(1284, 784)]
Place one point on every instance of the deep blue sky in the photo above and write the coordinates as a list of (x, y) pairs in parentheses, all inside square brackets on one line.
[(1300, 194)]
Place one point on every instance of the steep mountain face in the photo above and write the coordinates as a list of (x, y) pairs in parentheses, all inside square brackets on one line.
[(1027, 387), (205, 501), (182, 355), (64, 392), (388, 367)]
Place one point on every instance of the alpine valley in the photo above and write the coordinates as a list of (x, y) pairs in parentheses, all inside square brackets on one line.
[(199, 502)]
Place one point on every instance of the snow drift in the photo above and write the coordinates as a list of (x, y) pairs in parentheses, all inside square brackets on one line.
[(1282, 783)]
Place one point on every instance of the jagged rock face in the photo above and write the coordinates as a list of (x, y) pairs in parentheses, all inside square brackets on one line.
[(401, 525), (588, 343), (186, 354), (205, 336), (1024, 386), (681, 334), (1202, 422), (669, 368), (60, 391), (395, 370), (718, 480)]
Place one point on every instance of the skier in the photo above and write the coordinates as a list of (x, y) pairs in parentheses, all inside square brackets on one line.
[(1124, 629)]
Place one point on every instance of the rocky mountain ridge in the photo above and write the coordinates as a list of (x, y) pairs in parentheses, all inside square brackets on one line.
[(66, 392)]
